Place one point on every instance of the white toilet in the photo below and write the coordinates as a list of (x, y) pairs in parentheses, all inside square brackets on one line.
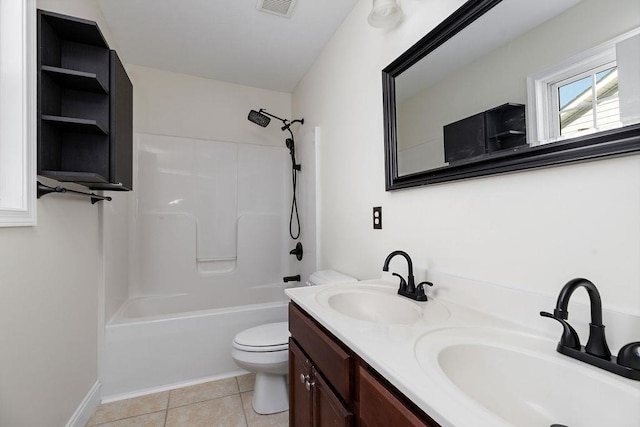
[(264, 350)]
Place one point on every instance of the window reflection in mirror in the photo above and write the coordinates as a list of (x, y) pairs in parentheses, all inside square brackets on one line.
[(589, 104), (462, 79)]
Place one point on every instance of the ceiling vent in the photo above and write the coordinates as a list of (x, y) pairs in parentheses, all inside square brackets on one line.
[(277, 7)]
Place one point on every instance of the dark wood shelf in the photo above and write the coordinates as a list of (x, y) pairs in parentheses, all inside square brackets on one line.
[(78, 80), (85, 106), (75, 29), (76, 125), (508, 133), (71, 176)]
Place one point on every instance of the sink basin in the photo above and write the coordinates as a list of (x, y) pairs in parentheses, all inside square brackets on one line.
[(375, 307), (520, 379), (378, 303)]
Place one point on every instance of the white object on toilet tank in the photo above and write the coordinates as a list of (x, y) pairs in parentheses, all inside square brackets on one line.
[(325, 277)]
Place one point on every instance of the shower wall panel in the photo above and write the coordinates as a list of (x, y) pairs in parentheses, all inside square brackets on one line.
[(210, 216)]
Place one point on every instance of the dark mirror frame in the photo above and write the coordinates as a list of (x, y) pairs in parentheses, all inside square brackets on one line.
[(625, 140)]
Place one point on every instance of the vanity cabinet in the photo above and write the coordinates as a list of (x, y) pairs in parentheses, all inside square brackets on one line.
[(85, 106), (313, 401), (320, 386), (329, 385)]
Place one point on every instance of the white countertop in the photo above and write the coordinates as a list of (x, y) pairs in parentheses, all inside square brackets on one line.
[(391, 349)]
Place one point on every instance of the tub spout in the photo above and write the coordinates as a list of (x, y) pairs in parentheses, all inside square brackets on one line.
[(295, 278)]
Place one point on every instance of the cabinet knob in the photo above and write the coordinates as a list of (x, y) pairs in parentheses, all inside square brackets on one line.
[(304, 378), (308, 384)]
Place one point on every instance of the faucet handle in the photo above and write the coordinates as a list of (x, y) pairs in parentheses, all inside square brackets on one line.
[(420, 294), (569, 335), (403, 283), (629, 355)]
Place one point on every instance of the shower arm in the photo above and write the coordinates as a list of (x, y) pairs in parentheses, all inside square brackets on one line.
[(287, 126), (285, 122)]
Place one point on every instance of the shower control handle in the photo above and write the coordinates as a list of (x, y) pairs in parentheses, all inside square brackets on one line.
[(297, 251)]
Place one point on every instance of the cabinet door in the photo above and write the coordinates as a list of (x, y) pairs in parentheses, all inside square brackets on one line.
[(381, 408), (328, 411), (300, 399), (121, 126)]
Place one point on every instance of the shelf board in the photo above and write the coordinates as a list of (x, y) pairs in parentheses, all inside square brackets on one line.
[(508, 133), (106, 186), (71, 176), (73, 79), (76, 125), (75, 29)]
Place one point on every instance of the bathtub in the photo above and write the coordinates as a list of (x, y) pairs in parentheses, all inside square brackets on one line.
[(152, 343)]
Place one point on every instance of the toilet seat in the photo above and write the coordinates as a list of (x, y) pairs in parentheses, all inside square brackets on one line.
[(263, 338)]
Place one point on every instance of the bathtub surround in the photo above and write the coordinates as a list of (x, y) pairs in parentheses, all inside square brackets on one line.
[(209, 231), (209, 218)]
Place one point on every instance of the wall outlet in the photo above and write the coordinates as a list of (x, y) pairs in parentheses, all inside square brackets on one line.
[(377, 217)]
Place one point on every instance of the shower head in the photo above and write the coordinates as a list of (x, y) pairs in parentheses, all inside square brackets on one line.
[(258, 118)]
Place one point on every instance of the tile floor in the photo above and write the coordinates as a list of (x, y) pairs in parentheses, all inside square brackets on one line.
[(222, 403)]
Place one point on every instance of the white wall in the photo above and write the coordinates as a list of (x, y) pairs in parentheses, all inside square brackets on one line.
[(530, 230), (48, 313), (50, 285)]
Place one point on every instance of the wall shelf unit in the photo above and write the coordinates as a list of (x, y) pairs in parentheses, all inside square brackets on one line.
[(493, 130), (85, 106)]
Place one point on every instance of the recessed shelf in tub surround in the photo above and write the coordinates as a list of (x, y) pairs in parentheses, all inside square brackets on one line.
[(480, 315)]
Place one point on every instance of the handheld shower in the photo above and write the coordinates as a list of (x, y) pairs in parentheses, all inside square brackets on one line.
[(262, 118)]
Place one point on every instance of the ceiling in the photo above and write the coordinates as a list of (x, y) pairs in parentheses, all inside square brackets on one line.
[(227, 40)]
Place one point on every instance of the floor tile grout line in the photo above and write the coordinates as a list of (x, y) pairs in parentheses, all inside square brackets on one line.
[(244, 411), (127, 418), (167, 408), (206, 400)]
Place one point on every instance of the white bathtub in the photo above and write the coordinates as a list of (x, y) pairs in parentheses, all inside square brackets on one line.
[(155, 342)]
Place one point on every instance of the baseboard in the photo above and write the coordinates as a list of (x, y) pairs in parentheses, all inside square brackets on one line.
[(87, 407)]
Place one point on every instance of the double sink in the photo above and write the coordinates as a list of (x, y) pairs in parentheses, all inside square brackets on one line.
[(494, 371)]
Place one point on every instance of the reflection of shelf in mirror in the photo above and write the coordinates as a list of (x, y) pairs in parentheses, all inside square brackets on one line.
[(76, 125), (71, 176), (507, 134), (73, 79)]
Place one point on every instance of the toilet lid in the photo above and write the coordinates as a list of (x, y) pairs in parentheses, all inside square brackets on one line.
[(269, 337)]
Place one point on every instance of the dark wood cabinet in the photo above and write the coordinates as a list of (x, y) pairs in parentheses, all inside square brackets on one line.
[(300, 399), (380, 407), (330, 386), (312, 401), (85, 106), (320, 386)]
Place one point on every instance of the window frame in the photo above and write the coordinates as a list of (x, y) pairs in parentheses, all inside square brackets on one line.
[(18, 126), (542, 121), (554, 88)]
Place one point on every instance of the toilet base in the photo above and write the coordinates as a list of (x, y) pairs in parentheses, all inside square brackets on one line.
[(270, 393)]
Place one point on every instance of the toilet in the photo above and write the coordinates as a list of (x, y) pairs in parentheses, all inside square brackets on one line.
[(264, 350)]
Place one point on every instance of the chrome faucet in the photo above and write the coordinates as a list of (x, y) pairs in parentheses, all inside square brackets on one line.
[(596, 352), (407, 288)]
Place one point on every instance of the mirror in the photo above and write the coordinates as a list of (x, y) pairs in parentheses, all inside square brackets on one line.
[(507, 85)]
